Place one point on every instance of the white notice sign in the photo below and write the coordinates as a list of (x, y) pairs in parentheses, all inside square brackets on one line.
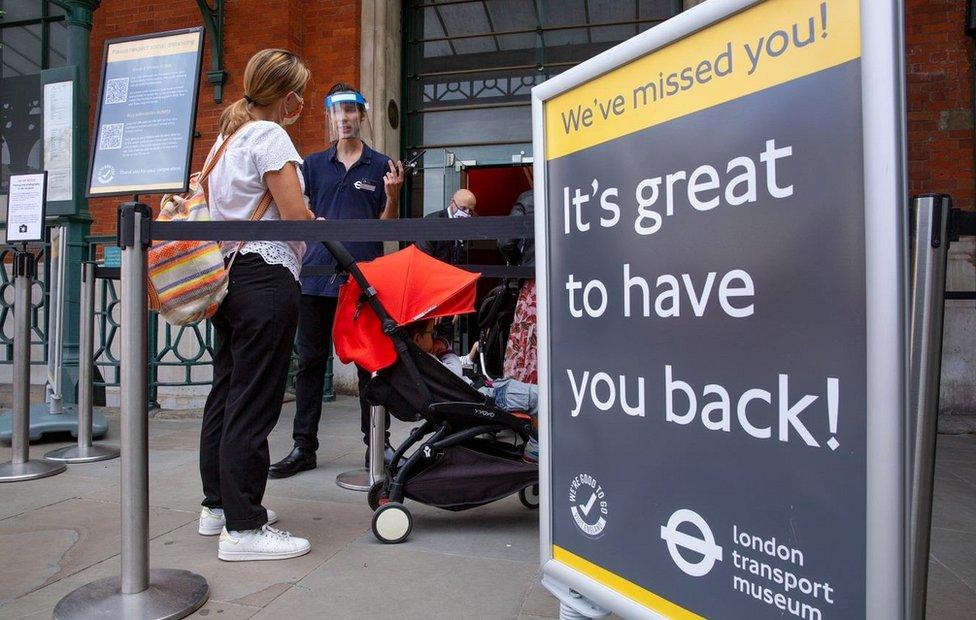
[(58, 139), (25, 207)]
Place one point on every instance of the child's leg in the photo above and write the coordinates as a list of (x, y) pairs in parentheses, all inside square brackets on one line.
[(512, 395)]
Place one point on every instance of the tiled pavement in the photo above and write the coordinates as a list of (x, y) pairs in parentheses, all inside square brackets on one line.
[(62, 532)]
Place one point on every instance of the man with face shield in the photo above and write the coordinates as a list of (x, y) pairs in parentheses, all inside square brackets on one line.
[(348, 180), (347, 117)]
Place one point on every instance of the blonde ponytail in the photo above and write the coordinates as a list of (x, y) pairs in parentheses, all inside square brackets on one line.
[(233, 116), (270, 75)]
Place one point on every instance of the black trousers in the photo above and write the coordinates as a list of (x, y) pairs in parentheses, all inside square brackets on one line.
[(254, 330), (316, 317)]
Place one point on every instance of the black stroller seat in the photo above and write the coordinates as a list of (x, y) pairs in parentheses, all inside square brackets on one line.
[(447, 397), (455, 459)]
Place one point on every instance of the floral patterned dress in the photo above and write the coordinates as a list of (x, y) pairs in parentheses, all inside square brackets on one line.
[(521, 351)]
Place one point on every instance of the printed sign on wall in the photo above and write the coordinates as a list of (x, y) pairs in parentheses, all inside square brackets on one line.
[(146, 110)]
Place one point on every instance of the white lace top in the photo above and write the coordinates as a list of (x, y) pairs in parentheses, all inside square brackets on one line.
[(236, 186)]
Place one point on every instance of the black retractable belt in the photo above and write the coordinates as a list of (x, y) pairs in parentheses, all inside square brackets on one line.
[(486, 271), (332, 231), (428, 229)]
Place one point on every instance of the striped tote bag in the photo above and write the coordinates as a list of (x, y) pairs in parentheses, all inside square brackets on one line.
[(188, 279)]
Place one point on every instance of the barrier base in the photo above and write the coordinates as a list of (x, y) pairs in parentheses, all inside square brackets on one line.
[(43, 421), (82, 454), (31, 470), (355, 480), (172, 593)]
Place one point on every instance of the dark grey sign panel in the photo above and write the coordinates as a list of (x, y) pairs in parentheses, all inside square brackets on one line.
[(708, 354)]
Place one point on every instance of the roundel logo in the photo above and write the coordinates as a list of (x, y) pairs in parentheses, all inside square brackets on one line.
[(701, 542)]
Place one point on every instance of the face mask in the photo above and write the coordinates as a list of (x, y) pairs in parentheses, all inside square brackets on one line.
[(461, 213), (290, 119)]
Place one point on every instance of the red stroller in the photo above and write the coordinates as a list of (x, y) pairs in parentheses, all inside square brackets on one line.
[(454, 459)]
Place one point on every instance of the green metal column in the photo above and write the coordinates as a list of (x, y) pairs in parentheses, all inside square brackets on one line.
[(79, 24)]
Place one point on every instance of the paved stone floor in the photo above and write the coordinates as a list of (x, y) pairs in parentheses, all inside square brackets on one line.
[(62, 532)]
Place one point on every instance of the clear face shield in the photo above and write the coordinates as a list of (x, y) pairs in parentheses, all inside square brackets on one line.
[(347, 117)]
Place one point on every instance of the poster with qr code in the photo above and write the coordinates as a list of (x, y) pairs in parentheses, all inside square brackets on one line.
[(117, 90), (146, 114)]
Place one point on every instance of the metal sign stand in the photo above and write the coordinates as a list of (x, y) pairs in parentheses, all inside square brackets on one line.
[(139, 592), (55, 336), (85, 451), (362, 479), (53, 416), (20, 467)]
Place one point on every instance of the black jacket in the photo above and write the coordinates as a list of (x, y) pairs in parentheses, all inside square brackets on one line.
[(520, 252), (448, 251)]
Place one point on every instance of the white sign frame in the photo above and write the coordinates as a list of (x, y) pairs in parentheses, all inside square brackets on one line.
[(886, 241), (28, 225)]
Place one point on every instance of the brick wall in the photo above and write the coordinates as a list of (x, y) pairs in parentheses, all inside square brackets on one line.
[(325, 33), (940, 100)]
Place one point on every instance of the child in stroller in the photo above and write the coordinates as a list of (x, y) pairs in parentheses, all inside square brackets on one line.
[(509, 394), (453, 459)]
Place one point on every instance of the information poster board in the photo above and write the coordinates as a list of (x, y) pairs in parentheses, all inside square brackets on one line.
[(721, 330), (58, 138), (26, 202), (63, 114), (146, 114)]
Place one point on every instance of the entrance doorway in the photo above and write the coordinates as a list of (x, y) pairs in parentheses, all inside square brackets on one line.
[(468, 71)]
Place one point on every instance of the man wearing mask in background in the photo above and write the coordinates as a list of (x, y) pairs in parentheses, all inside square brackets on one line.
[(349, 180), (462, 205)]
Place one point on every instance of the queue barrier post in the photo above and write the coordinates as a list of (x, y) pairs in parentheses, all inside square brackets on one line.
[(138, 592), (85, 451), (930, 216), (363, 479), (21, 467)]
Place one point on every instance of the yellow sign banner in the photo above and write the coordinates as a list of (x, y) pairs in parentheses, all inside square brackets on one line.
[(158, 46), (766, 45), (618, 584)]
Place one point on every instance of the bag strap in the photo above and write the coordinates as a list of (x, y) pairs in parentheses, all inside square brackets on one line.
[(208, 167), (212, 160), (257, 215)]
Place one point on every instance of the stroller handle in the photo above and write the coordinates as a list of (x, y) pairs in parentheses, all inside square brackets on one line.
[(347, 263), (340, 253)]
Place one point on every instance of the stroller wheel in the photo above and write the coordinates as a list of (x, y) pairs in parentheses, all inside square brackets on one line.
[(376, 494), (529, 496), (392, 523)]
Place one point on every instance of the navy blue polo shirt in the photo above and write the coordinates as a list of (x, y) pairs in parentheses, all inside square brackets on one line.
[(337, 194)]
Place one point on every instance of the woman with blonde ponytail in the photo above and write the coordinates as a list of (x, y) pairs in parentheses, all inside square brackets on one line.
[(255, 324)]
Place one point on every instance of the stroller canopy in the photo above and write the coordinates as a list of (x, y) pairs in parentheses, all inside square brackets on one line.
[(411, 286)]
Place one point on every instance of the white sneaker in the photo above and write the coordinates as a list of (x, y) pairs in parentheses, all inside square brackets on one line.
[(212, 520), (266, 543)]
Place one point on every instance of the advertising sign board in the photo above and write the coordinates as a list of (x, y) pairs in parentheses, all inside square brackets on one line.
[(721, 332)]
